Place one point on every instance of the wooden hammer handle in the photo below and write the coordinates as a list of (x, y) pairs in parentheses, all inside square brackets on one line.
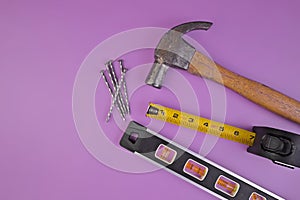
[(260, 94)]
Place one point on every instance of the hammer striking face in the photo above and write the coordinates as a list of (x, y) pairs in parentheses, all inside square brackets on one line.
[(173, 51)]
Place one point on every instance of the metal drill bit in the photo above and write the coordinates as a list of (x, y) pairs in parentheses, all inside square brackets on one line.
[(111, 94), (115, 96), (124, 70), (114, 80)]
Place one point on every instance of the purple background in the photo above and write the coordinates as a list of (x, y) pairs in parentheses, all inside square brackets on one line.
[(42, 47)]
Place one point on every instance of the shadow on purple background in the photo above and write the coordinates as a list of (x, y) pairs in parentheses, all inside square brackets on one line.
[(42, 47)]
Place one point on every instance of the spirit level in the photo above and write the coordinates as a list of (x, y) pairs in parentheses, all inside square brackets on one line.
[(280, 146), (191, 167)]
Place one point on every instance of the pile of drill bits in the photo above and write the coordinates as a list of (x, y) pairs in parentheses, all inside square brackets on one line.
[(117, 89)]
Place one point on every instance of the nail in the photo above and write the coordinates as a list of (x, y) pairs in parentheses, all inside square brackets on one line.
[(111, 93), (124, 70), (115, 96), (113, 78)]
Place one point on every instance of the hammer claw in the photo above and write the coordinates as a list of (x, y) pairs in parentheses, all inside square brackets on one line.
[(191, 26)]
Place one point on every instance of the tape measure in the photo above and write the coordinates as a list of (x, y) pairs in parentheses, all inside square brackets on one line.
[(200, 124), (191, 167)]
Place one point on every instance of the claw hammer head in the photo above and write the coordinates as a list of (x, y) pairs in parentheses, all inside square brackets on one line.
[(173, 51)]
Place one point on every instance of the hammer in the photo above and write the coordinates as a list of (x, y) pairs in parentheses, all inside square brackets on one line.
[(173, 51)]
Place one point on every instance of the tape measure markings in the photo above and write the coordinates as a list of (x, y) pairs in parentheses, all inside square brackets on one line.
[(200, 124)]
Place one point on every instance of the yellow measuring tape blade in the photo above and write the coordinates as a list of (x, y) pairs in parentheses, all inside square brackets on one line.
[(200, 124)]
